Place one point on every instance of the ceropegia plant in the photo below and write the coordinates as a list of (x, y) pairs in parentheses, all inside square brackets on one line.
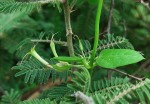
[(105, 54)]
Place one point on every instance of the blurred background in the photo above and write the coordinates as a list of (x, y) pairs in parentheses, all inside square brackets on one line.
[(130, 19)]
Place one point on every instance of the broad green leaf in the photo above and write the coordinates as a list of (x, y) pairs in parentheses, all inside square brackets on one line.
[(112, 58), (68, 59)]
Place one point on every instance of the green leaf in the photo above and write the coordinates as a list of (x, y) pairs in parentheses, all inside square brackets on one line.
[(112, 58), (68, 59)]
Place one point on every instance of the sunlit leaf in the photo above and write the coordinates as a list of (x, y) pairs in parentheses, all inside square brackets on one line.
[(112, 58)]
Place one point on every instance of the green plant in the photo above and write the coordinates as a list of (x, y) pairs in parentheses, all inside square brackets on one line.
[(80, 65)]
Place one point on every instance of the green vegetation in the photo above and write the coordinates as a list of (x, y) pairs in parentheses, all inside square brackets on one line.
[(74, 52)]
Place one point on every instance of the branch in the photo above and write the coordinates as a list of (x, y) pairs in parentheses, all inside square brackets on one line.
[(48, 41), (110, 16), (73, 3), (125, 28), (49, 1), (126, 74), (144, 65), (144, 3), (69, 33), (109, 72)]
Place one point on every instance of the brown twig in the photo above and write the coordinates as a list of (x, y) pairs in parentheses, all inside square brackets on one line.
[(126, 74), (73, 4), (144, 3), (69, 33), (49, 1), (145, 64), (124, 28), (109, 73), (110, 16)]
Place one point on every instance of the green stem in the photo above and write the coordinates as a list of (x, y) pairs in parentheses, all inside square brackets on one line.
[(98, 15)]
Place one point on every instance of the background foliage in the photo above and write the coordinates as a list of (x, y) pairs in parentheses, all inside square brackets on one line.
[(130, 20)]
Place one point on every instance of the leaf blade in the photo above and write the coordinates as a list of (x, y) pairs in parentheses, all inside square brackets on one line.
[(112, 58)]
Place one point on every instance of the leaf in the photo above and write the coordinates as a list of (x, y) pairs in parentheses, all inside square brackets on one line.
[(68, 59), (112, 58)]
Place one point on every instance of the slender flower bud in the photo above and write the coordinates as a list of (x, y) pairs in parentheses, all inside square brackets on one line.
[(38, 57), (52, 45), (80, 45)]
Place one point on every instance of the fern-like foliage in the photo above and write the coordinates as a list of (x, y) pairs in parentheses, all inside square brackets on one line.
[(13, 6), (33, 69), (9, 6), (86, 47), (57, 93), (121, 91), (12, 97), (44, 101), (109, 42), (114, 42), (38, 101), (81, 81), (9, 21), (25, 45)]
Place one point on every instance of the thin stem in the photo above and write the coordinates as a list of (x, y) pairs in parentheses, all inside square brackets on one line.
[(124, 28), (145, 4), (69, 32), (143, 66), (98, 15), (110, 16), (73, 4), (126, 74), (109, 73), (48, 41), (49, 1)]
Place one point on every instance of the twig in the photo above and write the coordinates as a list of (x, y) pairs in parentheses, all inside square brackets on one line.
[(145, 64), (73, 3), (144, 3), (49, 1), (48, 41), (125, 28), (110, 16), (126, 74), (69, 32), (109, 72)]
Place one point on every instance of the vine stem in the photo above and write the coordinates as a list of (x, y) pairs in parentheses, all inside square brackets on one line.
[(69, 33), (96, 38)]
